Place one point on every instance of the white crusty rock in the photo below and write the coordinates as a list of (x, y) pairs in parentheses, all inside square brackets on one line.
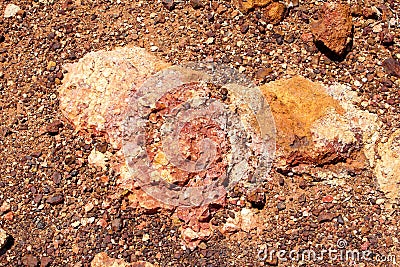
[(11, 10), (95, 91), (96, 158), (3, 238), (387, 168)]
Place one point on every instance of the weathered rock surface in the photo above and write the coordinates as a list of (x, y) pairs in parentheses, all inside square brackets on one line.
[(315, 125), (319, 126), (103, 260), (94, 97), (333, 29)]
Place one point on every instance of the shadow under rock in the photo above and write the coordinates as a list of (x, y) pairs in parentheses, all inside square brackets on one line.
[(9, 243)]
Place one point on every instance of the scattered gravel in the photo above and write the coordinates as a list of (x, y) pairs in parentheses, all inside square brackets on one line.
[(47, 183)]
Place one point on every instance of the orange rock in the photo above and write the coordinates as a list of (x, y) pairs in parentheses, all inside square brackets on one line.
[(313, 127), (246, 5), (297, 104), (9, 216), (274, 13)]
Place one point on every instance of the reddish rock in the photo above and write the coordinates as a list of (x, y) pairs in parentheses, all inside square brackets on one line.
[(95, 90), (365, 246), (333, 29), (103, 223), (45, 261), (327, 199), (9, 216), (54, 200), (325, 217), (294, 121), (245, 220), (386, 37), (30, 260), (192, 237), (392, 66)]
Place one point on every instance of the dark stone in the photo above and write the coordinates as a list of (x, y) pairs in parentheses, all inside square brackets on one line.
[(244, 28), (55, 45), (257, 199), (169, 4), (392, 66), (340, 219), (325, 217), (54, 127), (116, 224), (197, 3), (54, 200), (281, 206)]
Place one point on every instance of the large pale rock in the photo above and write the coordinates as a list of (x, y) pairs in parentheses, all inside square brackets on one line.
[(3, 239), (245, 220), (316, 125), (94, 97), (333, 28), (11, 10), (387, 169), (94, 94), (103, 260)]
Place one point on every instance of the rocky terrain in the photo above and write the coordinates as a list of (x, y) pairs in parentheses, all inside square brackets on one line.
[(78, 78)]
